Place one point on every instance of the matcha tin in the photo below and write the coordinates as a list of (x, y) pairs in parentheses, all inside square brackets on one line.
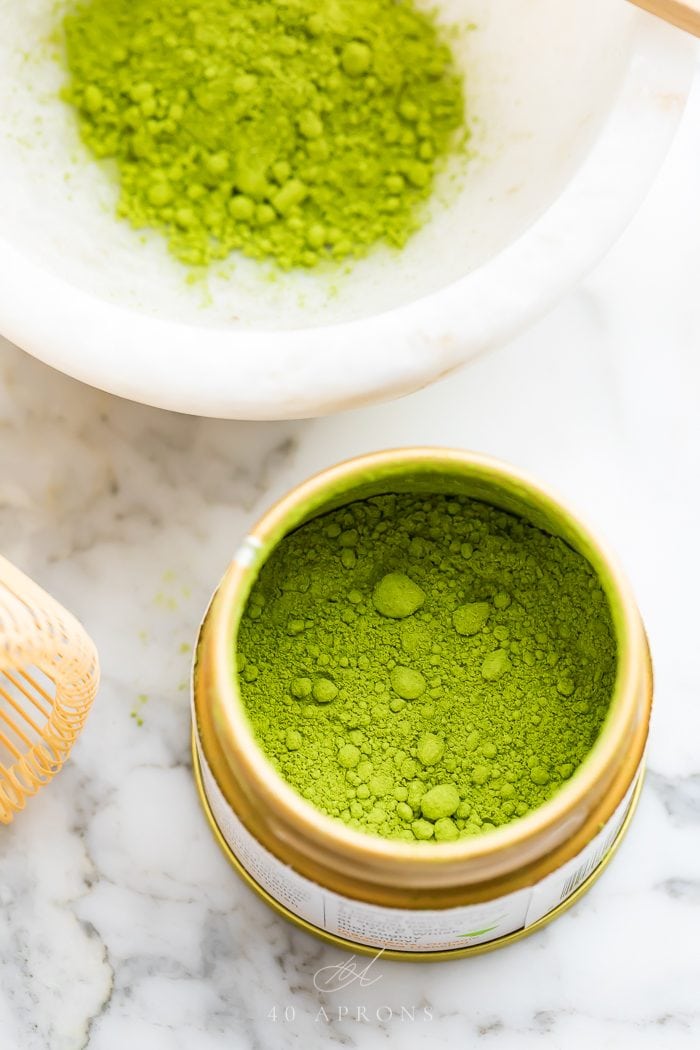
[(415, 899)]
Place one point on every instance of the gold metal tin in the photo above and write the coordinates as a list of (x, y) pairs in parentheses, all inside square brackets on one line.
[(381, 871)]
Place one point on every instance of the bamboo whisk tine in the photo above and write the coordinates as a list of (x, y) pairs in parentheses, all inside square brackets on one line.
[(49, 674)]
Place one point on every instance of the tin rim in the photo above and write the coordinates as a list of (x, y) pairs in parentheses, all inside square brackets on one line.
[(609, 766)]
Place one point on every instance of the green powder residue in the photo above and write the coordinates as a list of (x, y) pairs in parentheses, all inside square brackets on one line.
[(136, 711), (293, 130), (426, 668)]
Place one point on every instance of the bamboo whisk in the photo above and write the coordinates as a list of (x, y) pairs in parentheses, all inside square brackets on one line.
[(48, 679)]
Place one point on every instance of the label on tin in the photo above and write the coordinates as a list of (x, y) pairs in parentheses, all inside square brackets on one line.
[(398, 929)]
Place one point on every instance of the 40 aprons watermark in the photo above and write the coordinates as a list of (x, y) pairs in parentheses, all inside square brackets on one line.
[(330, 980), (384, 1013)]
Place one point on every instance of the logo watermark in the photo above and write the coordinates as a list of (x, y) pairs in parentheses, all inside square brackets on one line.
[(335, 978), (338, 977)]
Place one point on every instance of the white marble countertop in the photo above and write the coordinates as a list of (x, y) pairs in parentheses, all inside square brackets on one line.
[(121, 923)]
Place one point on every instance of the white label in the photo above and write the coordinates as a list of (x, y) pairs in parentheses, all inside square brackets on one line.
[(417, 930)]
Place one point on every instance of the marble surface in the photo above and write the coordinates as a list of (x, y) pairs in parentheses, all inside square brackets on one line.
[(120, 922)]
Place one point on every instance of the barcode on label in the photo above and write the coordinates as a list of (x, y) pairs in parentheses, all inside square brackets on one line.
[(588, 867)]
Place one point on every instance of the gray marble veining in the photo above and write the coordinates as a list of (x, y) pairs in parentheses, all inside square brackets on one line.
[(120, 922)]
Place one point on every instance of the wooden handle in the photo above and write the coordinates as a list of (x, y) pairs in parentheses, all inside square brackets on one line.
[(682, 13)]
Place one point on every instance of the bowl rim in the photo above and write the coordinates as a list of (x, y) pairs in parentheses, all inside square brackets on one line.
[(305, 372)]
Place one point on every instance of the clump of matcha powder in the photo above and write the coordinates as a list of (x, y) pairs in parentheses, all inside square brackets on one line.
[(425, 668), (292, 130)]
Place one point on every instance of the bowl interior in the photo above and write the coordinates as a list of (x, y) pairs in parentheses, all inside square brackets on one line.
[(540, 75)]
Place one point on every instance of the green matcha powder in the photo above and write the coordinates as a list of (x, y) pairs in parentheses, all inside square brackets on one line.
[(425, 669), (291, 130)]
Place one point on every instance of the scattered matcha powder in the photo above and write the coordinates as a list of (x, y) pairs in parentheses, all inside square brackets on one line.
[(294, 130), (444, 681), (136, 710)]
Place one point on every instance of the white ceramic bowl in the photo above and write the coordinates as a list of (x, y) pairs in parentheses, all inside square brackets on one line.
[(574, 105)]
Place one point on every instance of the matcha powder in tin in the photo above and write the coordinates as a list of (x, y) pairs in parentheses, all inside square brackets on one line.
[(292, 130), (425, 668)]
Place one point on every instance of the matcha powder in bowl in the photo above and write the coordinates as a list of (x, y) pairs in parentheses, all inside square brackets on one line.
[(290, 131)]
